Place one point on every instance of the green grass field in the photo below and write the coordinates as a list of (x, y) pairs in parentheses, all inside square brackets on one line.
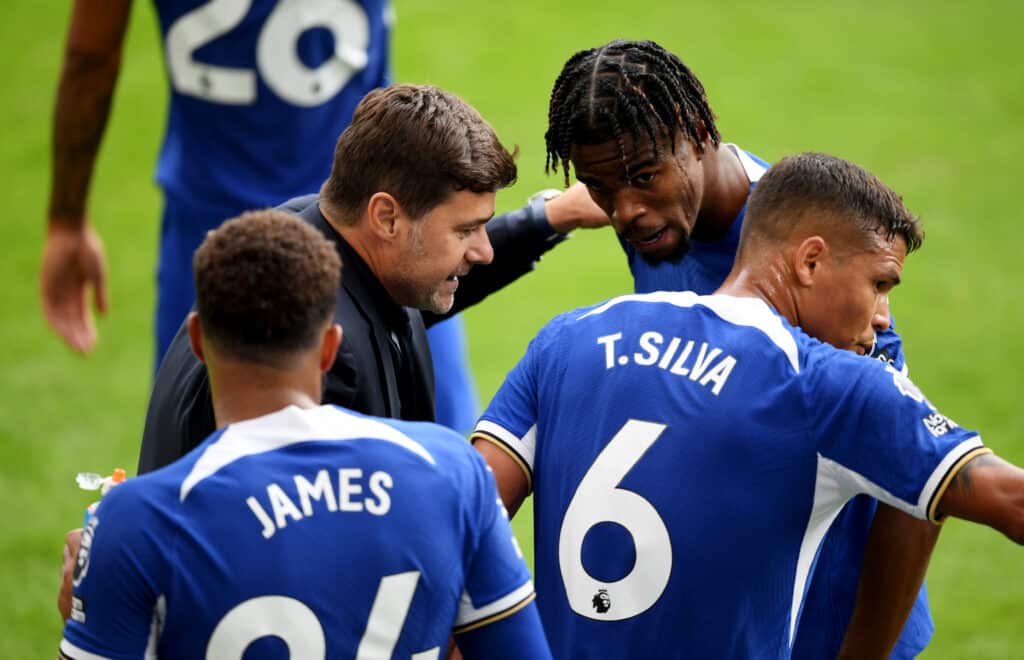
[(929, 96)]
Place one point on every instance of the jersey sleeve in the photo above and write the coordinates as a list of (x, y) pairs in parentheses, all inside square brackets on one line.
[(889, 349), (510, 420), (115, 602), (878, 434), (519, 635), (498, 582)]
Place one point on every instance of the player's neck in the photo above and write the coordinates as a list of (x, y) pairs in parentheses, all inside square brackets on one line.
[(364, 244), (768, 282), (246, 391), (726, 188)]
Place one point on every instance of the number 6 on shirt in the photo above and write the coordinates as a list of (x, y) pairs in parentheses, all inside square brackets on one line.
[(598, 499)]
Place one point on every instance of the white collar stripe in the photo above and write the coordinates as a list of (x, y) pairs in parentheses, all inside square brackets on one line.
[(750, 312), (291, 426)]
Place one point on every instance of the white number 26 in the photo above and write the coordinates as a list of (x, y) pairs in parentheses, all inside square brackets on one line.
[(276, 51), (599, 499)]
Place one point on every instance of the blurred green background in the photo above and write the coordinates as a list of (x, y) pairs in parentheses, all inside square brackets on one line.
[(929, 96)]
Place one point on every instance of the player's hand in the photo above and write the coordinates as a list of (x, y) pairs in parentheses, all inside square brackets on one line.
[(73, 262), (574, 209), (72, 541)]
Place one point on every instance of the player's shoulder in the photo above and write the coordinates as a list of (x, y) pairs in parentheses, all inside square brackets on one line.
[(450, 451), (829, 372), (754, 166), (134, 501), (455, 467)]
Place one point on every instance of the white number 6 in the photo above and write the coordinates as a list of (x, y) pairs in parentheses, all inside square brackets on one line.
[(598, 499)]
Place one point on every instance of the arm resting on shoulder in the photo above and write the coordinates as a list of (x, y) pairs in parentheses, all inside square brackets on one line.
[(895, 561)]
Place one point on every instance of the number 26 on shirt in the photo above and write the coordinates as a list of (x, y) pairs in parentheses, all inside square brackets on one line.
[(277, 59)]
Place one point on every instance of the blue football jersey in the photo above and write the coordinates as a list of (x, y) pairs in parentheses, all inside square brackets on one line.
[(324, 531), (260, 91), (687, 455), (832, 594)]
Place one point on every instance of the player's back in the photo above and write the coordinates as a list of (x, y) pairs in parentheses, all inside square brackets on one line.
[(673, 479), (321, 529)]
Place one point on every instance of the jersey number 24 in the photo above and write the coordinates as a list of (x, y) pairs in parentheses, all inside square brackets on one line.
[(297, 625)]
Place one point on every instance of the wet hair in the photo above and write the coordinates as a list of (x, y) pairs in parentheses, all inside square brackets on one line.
[(266, 285), (418, 143), (816, 187), (625, 87)]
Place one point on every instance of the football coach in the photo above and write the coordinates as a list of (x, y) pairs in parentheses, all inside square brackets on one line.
[(408, 205)]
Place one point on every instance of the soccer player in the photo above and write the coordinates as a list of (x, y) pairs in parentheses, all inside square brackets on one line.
[(635, 124), (259, 92), (295, 525), (687, 453)]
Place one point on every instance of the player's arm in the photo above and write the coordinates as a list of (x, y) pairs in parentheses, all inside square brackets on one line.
[(117, 574), (986, 490), (895, 560), (516, 636), (73, 254), (510, 472)]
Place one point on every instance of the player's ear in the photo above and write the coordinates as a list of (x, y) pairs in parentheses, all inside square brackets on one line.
[(329, 344), (807, 259), (383, 213), (195, 335), (705, 140)]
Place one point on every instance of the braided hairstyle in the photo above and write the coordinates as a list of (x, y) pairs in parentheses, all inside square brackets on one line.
[(625, 86)]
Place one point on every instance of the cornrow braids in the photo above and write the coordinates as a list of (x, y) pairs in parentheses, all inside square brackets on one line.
[(634, 87)]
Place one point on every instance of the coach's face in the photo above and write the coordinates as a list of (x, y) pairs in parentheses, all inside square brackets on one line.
[(847, 300), (439, 248), (652, 201)]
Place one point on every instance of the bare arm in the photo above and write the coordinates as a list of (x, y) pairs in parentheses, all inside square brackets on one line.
[(73, 255), (895, 560), (512, 479), (990, 491)]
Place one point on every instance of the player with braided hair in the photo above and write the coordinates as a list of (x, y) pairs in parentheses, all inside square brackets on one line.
[(634, 123)]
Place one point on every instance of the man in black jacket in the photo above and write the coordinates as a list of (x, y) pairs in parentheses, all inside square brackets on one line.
[(407, 206)]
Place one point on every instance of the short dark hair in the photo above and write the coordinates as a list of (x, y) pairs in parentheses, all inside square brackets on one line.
[(266, 283), (418, 143), (815, 185), (634, 87)]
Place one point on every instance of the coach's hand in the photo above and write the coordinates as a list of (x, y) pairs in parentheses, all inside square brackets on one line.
[(73, 262), (574, 209), (72, 541)]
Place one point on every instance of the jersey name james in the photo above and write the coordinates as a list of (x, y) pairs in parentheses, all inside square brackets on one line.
[(284, 527)]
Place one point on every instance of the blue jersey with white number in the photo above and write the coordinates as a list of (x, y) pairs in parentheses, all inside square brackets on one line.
[(687, 455), (832, 595), (322, 529), (260, 91)]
